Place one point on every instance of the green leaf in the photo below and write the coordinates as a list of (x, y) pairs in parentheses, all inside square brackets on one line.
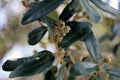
[(10, 65), (83, 68), (50, 23), (39, 64), (114, 71), (94, 15), (78, 31), (93, 47), (111, 77), (69, 10), (50, 75), (105, 7), (61, 73), (36, 35), (40, 9)]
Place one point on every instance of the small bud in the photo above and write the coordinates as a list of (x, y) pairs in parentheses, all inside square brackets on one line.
[(67, 29), (62, 51), (59, 39), (60, 34), (108, 59), (61, 25)]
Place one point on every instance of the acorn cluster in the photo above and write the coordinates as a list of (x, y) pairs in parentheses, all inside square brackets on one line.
[(59, 32)]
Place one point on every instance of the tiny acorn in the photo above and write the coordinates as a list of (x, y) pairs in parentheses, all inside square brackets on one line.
[(66, 29), (107, 59), (61, 25)]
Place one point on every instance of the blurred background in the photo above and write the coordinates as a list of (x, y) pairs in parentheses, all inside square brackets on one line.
[(13, 35)]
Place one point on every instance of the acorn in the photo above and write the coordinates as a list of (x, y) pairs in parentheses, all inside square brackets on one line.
[(108, 59), (61, 25), (59, 39), (62, 51), (66, 29)]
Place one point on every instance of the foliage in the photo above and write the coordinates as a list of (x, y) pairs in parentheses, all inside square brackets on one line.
[(63, 33)]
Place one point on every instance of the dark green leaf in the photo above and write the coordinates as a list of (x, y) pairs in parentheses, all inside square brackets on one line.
[(50, 23), (70, 9), (78, 31), (94, 15), (42, 62), (105, 7), (40, 9), (10, 65), (50, 75), (83, 68), (113, 78), (61, 73), (114, 71), (93, 47), (36, 35)]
